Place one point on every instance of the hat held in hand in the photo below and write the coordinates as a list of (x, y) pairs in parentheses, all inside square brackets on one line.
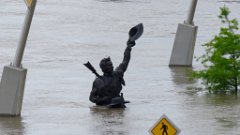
[(135, 32)]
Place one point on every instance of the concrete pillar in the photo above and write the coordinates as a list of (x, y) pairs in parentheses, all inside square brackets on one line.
[(185, 39), (11, 90)]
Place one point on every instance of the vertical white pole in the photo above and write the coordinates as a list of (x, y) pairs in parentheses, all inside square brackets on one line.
[(23, 37), (191, 12)]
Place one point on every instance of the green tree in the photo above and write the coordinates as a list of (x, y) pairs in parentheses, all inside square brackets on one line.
[(221, 61)]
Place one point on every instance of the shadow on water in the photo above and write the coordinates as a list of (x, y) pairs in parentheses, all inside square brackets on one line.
[(11, 125), (180, 77), (226, 108), (222, 99), (108, 121)]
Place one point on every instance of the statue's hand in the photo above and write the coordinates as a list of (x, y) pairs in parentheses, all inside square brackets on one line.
[(131, 43)]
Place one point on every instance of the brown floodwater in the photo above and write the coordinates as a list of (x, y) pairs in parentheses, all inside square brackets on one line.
[(66, 34)]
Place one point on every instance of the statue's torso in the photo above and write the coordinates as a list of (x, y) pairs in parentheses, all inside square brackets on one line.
[(111, 85)]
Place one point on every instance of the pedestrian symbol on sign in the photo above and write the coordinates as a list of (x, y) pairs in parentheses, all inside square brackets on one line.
[(164, 129)]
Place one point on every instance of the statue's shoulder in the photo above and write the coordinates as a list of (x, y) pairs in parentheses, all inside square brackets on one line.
[(98, 82), (118, 72)]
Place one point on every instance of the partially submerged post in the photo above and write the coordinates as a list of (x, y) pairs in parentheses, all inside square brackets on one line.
[(14, 75), (183, 48)]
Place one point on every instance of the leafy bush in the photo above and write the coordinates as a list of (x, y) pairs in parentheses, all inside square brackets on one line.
[(221, 61)]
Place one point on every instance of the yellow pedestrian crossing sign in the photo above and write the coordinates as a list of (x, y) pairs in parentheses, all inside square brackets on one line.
[(164, 126)]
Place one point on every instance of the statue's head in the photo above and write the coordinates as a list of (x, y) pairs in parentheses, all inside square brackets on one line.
[(106, 65)]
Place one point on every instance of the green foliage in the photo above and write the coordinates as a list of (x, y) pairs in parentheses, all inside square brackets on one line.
[(222, 58)]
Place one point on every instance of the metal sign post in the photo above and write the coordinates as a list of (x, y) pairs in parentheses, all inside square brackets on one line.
[(23, 37), (14, 76), (184, 43), (191, 12)]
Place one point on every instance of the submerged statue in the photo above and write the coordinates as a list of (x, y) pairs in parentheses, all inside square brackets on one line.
[(106, 89)]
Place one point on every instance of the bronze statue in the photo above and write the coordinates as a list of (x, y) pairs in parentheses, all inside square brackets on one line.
[(106, 88)]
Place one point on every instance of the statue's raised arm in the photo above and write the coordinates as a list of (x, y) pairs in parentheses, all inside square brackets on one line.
[(134, 33)]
